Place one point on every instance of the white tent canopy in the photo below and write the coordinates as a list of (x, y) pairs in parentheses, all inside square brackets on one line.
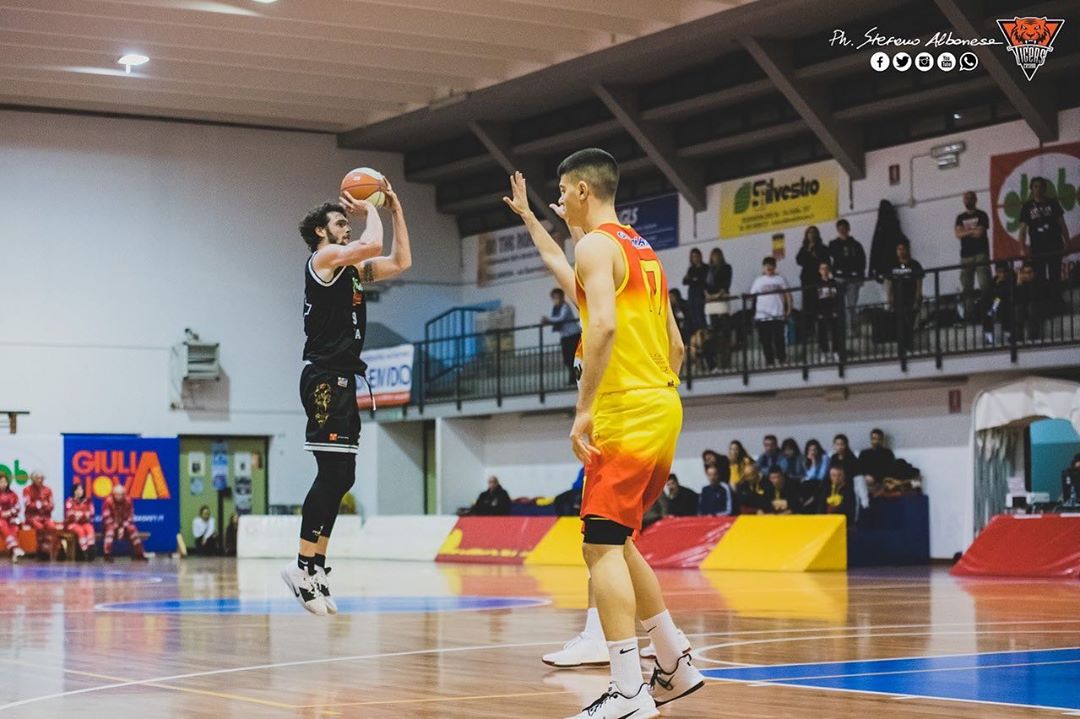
[(1019, 403)]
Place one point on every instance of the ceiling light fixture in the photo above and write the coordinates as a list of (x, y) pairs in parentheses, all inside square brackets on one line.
[(131, 60)]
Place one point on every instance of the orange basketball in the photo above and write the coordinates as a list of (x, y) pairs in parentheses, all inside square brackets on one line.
[(363, 183)]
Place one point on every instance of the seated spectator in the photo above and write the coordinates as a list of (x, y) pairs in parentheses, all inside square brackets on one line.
[(753, 495), (678, 501), (772, 305), (118, 522), (493, 502), (786, 495), (771, 456), (717, 497), (79, 520), (997, 300), (837, 496), (843, 455), (709, 456), (875, 461), (9, 517), (654, 514), (737, 456), (564, 324), (37, 512), (1070, 483), (1030, 299), (817, 472), (568, 504), (205, 533), (792, 462)]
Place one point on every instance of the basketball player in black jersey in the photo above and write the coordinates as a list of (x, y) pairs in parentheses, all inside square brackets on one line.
[(335, 324)]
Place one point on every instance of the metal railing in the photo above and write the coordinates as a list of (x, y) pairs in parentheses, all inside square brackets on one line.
[(528, 360)]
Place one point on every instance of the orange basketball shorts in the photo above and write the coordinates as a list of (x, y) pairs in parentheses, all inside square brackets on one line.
[(636, 432)]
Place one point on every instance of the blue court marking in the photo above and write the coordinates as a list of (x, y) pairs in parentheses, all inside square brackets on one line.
[(1043, 678), (346, 605), (61, 574)]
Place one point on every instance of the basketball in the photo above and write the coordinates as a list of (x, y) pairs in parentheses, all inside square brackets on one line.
[(364, 183)]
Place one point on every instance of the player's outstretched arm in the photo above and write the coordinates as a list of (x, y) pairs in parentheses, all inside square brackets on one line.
[(676, 348), (367, 245), (597, 260), (400, 257), (550, 252)]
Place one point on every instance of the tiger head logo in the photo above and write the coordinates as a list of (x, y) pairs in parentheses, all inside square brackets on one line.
[(1030, 40)]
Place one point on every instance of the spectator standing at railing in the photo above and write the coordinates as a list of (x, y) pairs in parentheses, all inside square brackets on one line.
[(848, 266), (9, 517), (812, 253), (830, 312), (717, 308), (718, 496), (772, 305), (1029, 299), (1043, 221), (971, 229), (903, 287), (997, 302), (696, 276), (564, 324), (680, 310)]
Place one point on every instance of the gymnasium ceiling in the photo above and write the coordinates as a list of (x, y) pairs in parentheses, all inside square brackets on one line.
[(310, 64)]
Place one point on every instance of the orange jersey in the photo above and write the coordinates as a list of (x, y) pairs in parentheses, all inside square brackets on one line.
[(639, 356)]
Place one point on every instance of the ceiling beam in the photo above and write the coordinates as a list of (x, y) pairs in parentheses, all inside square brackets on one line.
[(658, 143), (842, 140), (1036, 101), (496, 138)]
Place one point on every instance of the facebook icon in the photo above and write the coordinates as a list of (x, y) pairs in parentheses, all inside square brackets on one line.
[(880, 61)]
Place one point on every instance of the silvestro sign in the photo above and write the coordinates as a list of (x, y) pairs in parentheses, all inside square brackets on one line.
[(785, 198)]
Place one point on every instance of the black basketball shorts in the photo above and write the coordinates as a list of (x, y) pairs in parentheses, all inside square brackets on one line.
[(333, 418)]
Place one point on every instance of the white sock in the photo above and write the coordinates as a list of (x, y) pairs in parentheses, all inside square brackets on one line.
[(593, 628), (625, 666), (665, 636)]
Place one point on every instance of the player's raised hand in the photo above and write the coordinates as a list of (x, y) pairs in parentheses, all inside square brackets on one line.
[(581, 438), (391, 202), (519, 203), (357, 208)]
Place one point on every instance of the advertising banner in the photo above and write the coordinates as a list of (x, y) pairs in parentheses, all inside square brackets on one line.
[(798, 196), (656, 219), (389, 374), (147, 468), (507, 255)]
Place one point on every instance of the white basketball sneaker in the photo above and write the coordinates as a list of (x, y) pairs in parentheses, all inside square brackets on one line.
[(613, 704), (324, 589), (682, 680), (584, 650), (305, 587), (649, 652)]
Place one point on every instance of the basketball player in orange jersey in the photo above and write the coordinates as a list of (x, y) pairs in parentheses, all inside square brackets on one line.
[(627, 424), (588, 648)]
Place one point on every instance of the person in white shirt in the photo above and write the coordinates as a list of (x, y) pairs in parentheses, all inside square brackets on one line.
[(202, 527), (772, 305)]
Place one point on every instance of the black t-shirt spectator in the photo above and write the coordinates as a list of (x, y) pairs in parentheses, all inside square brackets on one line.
[(695, 279), (848, 461), (876, 462), (809, 260), (755, 496), (718, 279), (973, 243), (492, 503), (828, 299), (905, 276), (683, 504), (837, 501), (1043, 224), (848, 258)]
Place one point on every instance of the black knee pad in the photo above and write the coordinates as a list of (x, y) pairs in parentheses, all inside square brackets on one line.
[(337, 474), (605, 531)]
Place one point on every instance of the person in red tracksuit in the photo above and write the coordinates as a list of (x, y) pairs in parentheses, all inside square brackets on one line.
[(79, 519), (9, 517), (37, 511), (118, 522)]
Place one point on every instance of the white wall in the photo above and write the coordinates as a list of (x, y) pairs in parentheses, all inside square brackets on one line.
[(459, 462), (115, 235), (929, 223), (531, 456)]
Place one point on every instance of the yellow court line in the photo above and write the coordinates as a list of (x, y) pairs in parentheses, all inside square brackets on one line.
[(432, 700)]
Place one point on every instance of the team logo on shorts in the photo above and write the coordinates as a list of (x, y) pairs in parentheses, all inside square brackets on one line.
[(342, 382), (322, 403), (1030, 40)]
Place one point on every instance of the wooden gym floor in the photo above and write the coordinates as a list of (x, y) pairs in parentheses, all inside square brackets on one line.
[(220, 638)]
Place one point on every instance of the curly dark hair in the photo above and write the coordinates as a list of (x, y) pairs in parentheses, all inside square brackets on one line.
[(319, 217)]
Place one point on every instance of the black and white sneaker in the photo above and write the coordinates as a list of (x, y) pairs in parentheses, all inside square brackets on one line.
[(324, 589), (613, 704), (682, 680), (305, 587)]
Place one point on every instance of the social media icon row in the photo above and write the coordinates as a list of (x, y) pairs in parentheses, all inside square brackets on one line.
[(924, 61)]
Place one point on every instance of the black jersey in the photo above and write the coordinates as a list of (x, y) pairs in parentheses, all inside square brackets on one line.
[(335, 319)]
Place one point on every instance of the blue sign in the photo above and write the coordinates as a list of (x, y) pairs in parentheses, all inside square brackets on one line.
[(148, 469), (657, 220)]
